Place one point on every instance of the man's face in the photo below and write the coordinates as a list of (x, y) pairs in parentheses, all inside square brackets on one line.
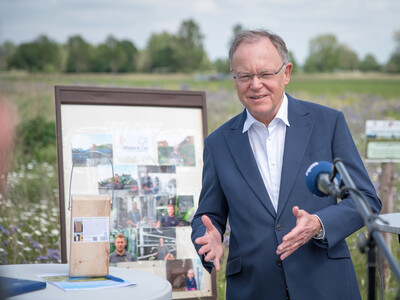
[(120, 244), (170, 210), (262, 98)]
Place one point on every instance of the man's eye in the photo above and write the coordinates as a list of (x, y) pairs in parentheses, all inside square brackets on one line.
[(245, 77), (266, 75)]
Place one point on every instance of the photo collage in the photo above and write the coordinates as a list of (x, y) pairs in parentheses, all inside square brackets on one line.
[(140, 171)]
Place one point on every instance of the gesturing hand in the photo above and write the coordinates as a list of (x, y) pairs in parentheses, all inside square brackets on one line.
[(211, 241), (307, 226)]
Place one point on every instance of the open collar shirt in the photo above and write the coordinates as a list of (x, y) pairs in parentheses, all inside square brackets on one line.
[(268, 143)]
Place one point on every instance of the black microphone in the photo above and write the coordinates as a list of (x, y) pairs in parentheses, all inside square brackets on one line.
[(318, 180)]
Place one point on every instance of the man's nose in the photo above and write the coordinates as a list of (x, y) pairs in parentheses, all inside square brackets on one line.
[(255, 82)]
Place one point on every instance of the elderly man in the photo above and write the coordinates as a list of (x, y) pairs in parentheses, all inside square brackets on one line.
[(285, 243)]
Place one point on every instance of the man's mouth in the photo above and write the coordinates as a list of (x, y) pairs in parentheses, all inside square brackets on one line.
[(257, 97)]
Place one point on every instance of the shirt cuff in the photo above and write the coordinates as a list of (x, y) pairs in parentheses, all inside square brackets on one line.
[(321, 233)]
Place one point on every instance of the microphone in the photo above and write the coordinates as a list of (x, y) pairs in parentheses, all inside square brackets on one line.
[(318, 180)]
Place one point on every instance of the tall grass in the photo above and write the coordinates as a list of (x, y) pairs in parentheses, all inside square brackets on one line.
[(29, 216)]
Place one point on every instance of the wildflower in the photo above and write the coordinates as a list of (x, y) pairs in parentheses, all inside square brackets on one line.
[(53, 254), (13, 228), (36, 245), (37, 232), (27, 249)]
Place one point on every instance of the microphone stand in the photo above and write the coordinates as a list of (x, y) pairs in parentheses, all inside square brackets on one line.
[(375, 237)]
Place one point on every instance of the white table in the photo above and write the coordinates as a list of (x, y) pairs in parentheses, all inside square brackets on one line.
[(393, 225), (148, 286)]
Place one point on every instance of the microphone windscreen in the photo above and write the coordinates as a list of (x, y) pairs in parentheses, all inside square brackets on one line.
[(312, 174)]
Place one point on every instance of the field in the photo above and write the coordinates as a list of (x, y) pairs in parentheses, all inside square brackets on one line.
[(29, 224)]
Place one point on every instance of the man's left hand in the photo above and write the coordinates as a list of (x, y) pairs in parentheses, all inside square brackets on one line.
[(307, 226)]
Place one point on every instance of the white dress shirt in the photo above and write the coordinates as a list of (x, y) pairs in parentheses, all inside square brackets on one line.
[(268, 144)]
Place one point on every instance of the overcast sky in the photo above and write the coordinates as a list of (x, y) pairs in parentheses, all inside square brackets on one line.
[(366, 26)]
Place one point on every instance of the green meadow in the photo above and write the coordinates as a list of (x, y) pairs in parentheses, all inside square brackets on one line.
[(29, 216)]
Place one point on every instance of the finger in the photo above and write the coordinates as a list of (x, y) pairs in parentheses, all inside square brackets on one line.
[(201, 240), (286, 254), (216, 264), (207, 222), (296, 211), (205, 249)]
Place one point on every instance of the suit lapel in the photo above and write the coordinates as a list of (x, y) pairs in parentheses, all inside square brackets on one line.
[(242, 153), (297, 138)]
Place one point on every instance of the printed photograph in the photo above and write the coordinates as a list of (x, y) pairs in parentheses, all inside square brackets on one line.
[(185, 274), (156, 243), (90, 150), (176, 150)]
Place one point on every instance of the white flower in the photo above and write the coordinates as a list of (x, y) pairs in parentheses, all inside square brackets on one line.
[(37, 232), (55, 232), (27, 249)]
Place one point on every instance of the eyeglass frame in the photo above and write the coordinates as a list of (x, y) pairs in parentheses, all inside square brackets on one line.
[(251, 75)]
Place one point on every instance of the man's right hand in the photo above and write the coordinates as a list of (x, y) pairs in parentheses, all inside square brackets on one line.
[(211, 241)]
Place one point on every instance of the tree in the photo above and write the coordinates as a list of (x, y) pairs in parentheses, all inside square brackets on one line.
[(222, 66), (190, 47), (324, 54), (178, 53), (237, 28), (131, 53), (163, 52), (348, 59), (6, 50), (292, 59), (369, 64), (79, 54), (114, 56), (393, 65), (43, 54)]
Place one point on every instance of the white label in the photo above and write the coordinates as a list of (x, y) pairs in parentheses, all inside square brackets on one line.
[(91, 229)]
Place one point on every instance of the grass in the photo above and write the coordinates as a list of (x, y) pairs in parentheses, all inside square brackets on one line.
[(29, 222)]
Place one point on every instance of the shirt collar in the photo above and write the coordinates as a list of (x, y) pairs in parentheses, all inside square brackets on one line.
[(281, 115)]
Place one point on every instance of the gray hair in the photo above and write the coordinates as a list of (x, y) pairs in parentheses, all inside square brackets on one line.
[(249, 36)]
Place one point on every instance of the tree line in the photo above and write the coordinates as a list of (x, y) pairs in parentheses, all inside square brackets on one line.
[(166, 52)]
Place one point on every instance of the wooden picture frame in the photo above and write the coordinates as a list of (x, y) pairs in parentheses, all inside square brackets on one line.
[(144, 148)]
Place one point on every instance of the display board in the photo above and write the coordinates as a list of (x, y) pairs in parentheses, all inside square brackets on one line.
[(382, 140), (142, 147)]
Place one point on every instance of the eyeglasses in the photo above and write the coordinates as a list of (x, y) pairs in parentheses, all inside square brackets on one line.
[(263, 75)]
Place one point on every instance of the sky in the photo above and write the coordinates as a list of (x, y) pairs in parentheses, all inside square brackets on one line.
[(366, 26)]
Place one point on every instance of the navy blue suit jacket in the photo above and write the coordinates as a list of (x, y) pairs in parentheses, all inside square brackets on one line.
[(233, 187)]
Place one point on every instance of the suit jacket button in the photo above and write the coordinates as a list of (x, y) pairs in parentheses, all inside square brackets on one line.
[(279, 263), (278, 227)]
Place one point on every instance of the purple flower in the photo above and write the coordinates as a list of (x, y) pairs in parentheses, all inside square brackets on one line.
[(41, 257), (53, 254), (6, 242), (13, 228), (35, 244)]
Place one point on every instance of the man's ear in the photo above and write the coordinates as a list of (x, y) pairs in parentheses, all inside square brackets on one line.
[(288, 72)]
